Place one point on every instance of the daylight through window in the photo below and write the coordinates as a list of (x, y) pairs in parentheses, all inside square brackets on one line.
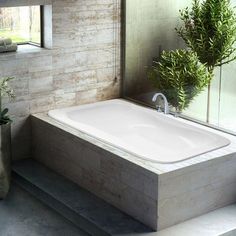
[(21, 24)]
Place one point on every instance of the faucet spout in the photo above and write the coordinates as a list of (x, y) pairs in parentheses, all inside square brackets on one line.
[(166, 105)]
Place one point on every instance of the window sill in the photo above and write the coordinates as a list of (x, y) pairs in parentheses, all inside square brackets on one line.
[(26, 50)]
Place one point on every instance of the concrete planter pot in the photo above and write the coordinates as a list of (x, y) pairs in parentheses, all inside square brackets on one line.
[(5, 159)]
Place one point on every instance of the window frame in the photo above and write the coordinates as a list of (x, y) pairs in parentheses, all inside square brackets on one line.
[(41, 44), (41, 26)]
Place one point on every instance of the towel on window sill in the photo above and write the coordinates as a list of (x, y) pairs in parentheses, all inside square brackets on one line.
[(5, 41), (9, 48)]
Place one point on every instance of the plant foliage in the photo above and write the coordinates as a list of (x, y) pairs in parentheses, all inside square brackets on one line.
[(209, 29), (5, 90), (180, 76)]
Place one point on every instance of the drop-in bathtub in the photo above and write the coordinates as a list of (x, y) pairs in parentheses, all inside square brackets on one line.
[(140, 131)]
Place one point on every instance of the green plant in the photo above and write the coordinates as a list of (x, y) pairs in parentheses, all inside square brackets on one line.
[(209, 29), (5, 90), (180, 76)]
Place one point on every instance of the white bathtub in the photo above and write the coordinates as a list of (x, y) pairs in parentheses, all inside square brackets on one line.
[(141, 131)]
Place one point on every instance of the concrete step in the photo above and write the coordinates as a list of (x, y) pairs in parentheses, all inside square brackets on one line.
[(81, 207), (97, 217), (221, 222)]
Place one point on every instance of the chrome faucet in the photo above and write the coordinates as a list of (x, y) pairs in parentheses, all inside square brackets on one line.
[(166, 105)]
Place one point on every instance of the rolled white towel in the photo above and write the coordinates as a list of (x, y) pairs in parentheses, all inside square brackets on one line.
[(5, 41), (2, 49), (12, 47), (9, 48)]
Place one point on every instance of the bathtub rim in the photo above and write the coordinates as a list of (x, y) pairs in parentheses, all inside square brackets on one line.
[(66, 120), (156, 168)]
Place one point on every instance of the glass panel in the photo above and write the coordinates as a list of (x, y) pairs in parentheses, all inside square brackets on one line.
[(223, 108), (149, 30), (215, 97), (21, 24), (227, 115), (198, 107)]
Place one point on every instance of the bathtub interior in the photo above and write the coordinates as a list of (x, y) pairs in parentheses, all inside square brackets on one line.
[(140, 131)]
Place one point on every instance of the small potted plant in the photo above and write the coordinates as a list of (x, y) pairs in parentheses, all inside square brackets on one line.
[(5, 139)]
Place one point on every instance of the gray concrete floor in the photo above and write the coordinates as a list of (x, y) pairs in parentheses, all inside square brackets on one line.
[(23, 215)]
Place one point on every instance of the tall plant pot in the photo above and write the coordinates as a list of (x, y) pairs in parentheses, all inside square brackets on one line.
[(5, 159)]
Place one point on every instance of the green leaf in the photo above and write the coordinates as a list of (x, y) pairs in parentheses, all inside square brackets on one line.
[(209, 29)]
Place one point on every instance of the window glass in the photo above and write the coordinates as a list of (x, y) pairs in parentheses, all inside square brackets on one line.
[(21, 24), (150, 28)]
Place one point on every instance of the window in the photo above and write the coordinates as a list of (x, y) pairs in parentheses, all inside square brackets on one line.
[(146, 34), (21, 24)]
